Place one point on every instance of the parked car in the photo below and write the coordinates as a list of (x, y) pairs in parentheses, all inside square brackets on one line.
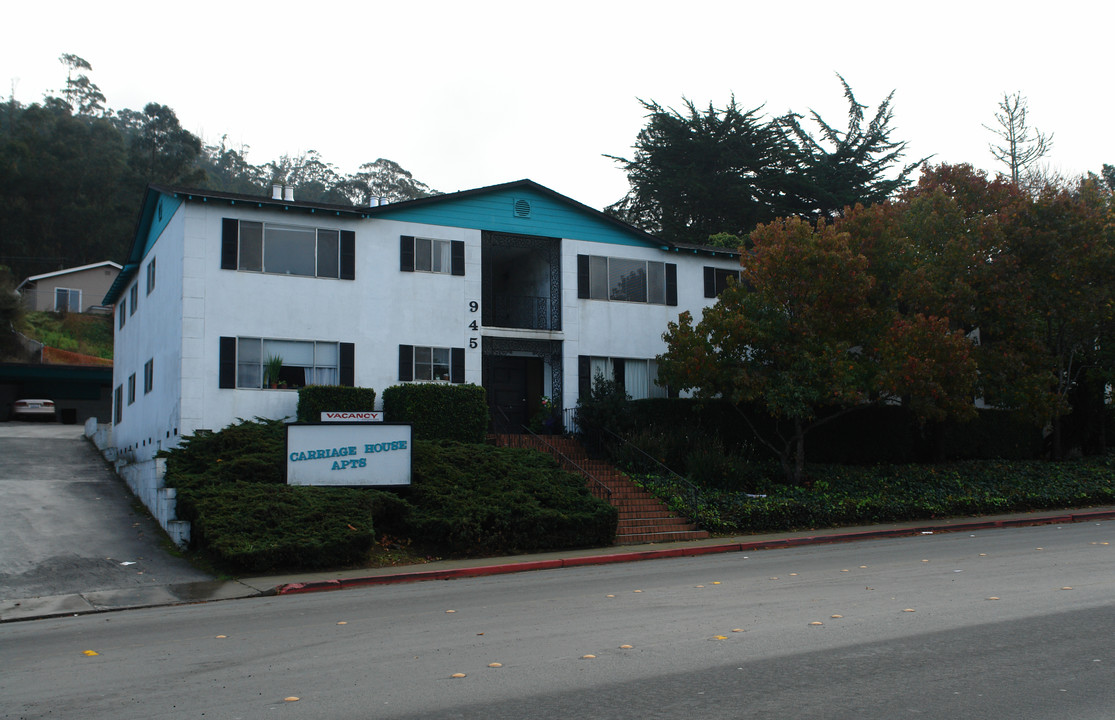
[(33, 409)]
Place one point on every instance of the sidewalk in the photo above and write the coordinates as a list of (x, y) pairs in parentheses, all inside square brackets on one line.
[(186, 593)]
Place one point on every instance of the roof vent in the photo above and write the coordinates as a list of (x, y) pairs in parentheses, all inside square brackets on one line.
[(276, 191), (288, 193), (522, 208)]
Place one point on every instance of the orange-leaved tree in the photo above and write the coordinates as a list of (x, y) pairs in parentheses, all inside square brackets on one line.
[(807, 336)]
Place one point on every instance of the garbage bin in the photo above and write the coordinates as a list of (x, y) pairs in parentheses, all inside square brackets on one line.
[(69, 416)]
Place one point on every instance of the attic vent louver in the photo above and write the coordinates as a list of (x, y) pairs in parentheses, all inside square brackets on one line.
[(522, 208)]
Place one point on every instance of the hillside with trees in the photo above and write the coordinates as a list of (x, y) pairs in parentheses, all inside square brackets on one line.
[(73, 172)]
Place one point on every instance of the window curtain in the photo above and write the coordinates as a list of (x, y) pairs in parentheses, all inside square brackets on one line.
[(635, 378), (600, 366), (442, 259)]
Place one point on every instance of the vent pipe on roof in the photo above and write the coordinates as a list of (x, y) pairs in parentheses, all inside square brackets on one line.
[(288, 193), (373, 201), (276, 191)]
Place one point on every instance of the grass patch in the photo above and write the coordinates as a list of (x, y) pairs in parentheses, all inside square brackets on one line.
[(75, 332)]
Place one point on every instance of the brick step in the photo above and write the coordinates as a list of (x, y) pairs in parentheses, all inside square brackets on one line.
[(668, 522), (655, 537)]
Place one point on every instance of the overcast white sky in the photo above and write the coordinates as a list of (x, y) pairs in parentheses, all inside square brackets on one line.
[(467, 94)]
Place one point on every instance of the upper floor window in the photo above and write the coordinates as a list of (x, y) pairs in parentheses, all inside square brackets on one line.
[(67, 300), (123, 311), (148, 376), (431, 255), (131, 388), (133, 295), (626, 280), (279, 249), (717, 279), (150, 276)]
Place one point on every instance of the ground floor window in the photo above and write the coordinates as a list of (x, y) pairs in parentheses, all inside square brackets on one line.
[(431, 364), (263, 362), (638, 378)]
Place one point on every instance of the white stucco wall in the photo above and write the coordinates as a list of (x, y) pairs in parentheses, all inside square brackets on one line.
[(154, 332), (196, 303)]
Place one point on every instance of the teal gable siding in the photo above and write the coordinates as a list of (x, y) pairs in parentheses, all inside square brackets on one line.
[(495, 211), (163, 212)]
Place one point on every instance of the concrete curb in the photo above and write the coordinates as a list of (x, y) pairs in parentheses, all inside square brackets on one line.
[(623, 557)]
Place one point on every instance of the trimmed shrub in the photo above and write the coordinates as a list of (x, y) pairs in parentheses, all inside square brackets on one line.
[(254, 527), (480, 500), (846, 495), (467, 499), (438, 411), (313, 400)]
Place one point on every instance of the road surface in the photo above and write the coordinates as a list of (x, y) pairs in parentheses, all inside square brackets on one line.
[(999, 623)]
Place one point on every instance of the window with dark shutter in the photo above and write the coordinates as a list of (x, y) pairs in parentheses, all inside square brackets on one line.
[(584, 377), (406, 363), (671, 284), (227, 363), (582, 276), (230, 243), (348, 255), (457, 366), (348, 365), (458, 257), (406, 253)]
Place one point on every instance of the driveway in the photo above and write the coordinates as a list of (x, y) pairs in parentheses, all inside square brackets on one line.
[(69, 525)]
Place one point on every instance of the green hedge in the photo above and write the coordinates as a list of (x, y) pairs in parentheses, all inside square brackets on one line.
[(438, 411), (865, 495), (466, 499), (313, 400), (254, 527), (878, 434), (480, 500)]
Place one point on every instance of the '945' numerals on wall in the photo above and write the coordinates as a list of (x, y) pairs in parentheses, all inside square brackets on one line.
[(474, 326)]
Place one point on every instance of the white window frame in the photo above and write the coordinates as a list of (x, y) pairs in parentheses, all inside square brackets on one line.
[(603, 288), (250, 371), (69, 299), (433, 364), (438, 255), (320, 235)]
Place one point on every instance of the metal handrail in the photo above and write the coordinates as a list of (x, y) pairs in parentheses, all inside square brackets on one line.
[(694, 491), (565, 458)]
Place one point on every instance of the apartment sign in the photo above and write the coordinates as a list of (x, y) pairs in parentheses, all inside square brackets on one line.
[(353, 454), (335, 416)]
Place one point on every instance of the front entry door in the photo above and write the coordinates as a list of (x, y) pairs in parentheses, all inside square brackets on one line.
[(514, 391)]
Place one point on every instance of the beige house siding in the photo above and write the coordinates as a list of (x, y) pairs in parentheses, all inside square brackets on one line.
[(87, 286)]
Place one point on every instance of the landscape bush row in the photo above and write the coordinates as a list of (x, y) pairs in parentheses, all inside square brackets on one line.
[(851, 495), (466, 499)]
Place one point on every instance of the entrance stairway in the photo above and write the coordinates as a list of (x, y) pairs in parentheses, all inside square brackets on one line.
[(643, 518)]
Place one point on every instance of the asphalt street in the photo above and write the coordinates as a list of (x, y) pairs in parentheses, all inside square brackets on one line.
[(68, 524), (996, 623)]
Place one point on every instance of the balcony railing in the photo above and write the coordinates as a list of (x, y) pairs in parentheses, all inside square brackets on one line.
[(519, 311)]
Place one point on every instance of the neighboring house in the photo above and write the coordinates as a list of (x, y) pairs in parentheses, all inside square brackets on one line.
[(76, 289), (514, 287)]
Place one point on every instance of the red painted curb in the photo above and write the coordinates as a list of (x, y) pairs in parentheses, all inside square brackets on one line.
[(305, 587), (1097, 515)]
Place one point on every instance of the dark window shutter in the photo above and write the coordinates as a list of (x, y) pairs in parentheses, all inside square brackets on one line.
[(584, 377), (227, 373), (582, 276), (671, 284), (406, 253), (457, 257), (348, 364), (406, 363), (619, 372), (230, 243), (710, 282), (348, 255), (457, 365)]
